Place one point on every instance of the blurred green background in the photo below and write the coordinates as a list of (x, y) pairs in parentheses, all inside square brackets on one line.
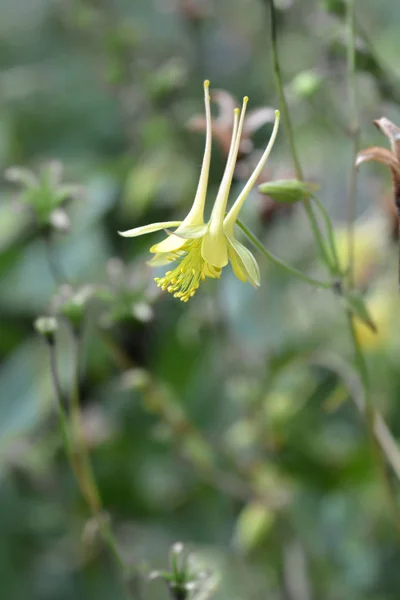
[(223, 423)]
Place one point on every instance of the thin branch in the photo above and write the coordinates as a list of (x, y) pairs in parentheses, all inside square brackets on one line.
[(280, 263), (283, 105), (354, 129), (53, 262)]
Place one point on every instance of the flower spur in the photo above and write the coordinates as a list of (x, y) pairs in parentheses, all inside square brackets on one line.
[(202, 249)]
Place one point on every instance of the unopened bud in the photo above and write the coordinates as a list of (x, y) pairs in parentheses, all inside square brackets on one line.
[(288, 191), (47, 327)]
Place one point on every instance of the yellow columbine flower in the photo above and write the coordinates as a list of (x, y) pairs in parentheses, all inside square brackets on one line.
[(203, 249)]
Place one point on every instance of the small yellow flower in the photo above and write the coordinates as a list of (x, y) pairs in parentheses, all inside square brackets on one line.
[(202, 249)]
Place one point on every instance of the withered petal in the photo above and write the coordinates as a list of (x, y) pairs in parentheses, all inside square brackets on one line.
[(196, 123), (382, 155), (258, 117), (227, 104), (392, 132)]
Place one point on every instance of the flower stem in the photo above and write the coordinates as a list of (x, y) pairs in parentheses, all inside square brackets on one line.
[(371, 423), (354, 130), (77, 453), (280, 263), (290, 134), (335, 264), (359, 359), (55, 267)]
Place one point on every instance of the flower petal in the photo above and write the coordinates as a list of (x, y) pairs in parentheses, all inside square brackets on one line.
[(246, 261), (191, 233), (210, 271), (382, 155), (233, 214), (160, 259), (392, 132), (149, 228), (237, 265), (214, 248), (169, 244), (258, 117)]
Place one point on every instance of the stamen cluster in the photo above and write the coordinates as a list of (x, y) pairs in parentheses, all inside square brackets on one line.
[(185, 279)]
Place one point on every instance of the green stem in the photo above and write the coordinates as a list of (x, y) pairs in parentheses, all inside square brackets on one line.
[(282, 98), (78, 455), (290, 134), (359, 357), (354, 132), (331, 235), (358, 354), (55, 267), (280, 263), (370, 418), (62, 415), (81, 453)]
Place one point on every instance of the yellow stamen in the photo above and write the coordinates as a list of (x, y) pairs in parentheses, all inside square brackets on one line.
[(185, 279)]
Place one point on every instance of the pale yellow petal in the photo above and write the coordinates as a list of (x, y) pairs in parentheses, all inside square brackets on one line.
[(196, 213), (191, 233), (212, 272), (237, 265), (149, 228), (214, 247), (246, 260), (218, 211), (160, 259), (169, 244), (233, 214)]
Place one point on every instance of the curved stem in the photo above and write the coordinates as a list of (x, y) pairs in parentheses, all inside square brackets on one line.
[(280, 263), (78, 455), (331, 235)]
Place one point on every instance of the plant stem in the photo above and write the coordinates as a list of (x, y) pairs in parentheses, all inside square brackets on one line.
[(280, 263), (78, 455), (336, 267), (59, 398), (283, 105), (55, 267), (359, 358), (282, 99), (354, 129), (370, 419)]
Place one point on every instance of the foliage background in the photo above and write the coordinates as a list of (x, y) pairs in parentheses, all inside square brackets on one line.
[(220, 423)]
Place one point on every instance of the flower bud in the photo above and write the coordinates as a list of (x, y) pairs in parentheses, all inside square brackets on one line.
[(46, 327), (288, 190)]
